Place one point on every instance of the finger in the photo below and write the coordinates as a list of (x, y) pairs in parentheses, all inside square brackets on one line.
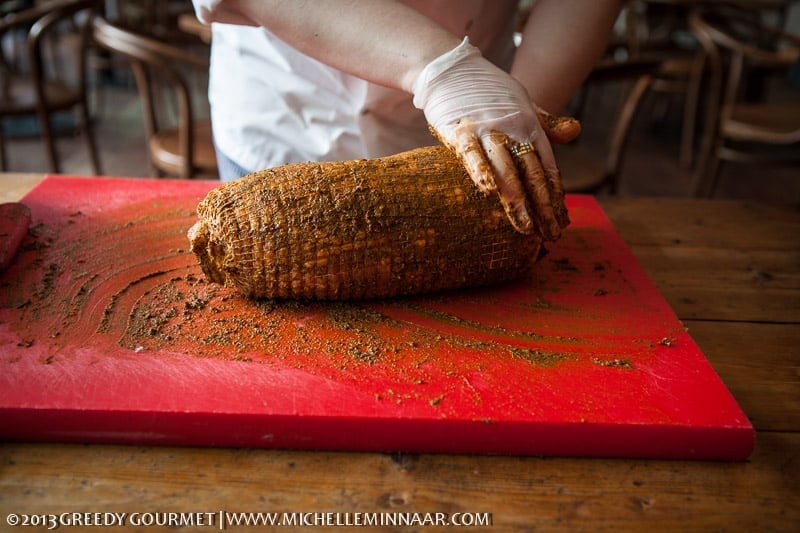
[(532, 174), (558, 129), (470, 151), (556, 185), (509, 187)]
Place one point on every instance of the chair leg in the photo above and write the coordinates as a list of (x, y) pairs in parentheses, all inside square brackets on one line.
[(690, 110), (88, 132), (3, 161), (707, 175), (155, 172), (49, 141), (621, 130), (686, 154)]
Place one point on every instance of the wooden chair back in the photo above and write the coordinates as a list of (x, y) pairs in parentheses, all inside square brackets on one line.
[(185, 150), (591, 171), (740, 49), (44, 89)]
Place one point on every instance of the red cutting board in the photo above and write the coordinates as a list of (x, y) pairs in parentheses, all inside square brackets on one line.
[(110, 333)]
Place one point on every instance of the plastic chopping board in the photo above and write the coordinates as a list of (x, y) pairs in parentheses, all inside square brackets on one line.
[(110, 333)]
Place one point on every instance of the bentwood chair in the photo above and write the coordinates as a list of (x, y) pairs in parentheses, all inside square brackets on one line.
[(37, 84), (740, 49), (587, 169), (181, 148)]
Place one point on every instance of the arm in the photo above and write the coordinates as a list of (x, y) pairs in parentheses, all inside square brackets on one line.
[(561, 42), (382, 41), (480, 112)]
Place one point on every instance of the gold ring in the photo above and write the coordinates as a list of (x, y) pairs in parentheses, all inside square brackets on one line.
[(521, 149)]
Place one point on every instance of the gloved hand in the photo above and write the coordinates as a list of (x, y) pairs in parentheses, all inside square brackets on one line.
[(486, 117)]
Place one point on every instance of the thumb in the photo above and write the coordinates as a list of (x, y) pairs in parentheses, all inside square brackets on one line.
[(559, 130)]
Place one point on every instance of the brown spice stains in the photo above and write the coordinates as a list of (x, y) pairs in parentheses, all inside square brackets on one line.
[(161, 301), (187, 313), (176, 309)]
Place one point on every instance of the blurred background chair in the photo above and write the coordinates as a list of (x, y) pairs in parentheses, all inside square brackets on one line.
[(35, 83), (745, 125), (660, 28), (178, 146), (657, 29), (584, 167)]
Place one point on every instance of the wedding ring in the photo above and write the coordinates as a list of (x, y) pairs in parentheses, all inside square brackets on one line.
[(521, 149)]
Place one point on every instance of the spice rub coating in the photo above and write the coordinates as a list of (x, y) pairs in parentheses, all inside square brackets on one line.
[(405, 224)]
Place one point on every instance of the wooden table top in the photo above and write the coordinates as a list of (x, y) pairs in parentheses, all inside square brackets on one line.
[(730, 270)]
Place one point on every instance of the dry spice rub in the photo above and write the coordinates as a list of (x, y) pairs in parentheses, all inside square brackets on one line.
[(410, 223)]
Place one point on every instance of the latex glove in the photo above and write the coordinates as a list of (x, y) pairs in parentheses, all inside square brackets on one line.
[(481, 113)]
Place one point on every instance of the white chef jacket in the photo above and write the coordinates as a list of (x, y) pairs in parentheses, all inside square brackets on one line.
[(271, 104)]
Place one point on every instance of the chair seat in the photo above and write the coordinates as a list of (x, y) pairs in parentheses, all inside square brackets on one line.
[(165, 150), (674, 73), (771, 124), (18, 97)]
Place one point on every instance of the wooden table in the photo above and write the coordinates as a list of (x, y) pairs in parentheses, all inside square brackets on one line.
[(730, 269)]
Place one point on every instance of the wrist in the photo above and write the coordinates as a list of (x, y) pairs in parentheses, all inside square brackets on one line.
[(434, 68)]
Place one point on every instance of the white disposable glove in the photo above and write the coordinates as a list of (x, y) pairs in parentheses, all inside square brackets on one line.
[(484, 115)]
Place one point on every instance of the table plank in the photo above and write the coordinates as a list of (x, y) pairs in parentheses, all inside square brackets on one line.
[(714, 223), (726, 283), (548, 494), (759, 364), (15, 185)]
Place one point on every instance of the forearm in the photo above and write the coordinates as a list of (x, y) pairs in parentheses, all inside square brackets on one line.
[(382, 41), (561, 42)]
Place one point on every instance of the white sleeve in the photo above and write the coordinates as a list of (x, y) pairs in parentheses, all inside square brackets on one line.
[(208, 11)]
